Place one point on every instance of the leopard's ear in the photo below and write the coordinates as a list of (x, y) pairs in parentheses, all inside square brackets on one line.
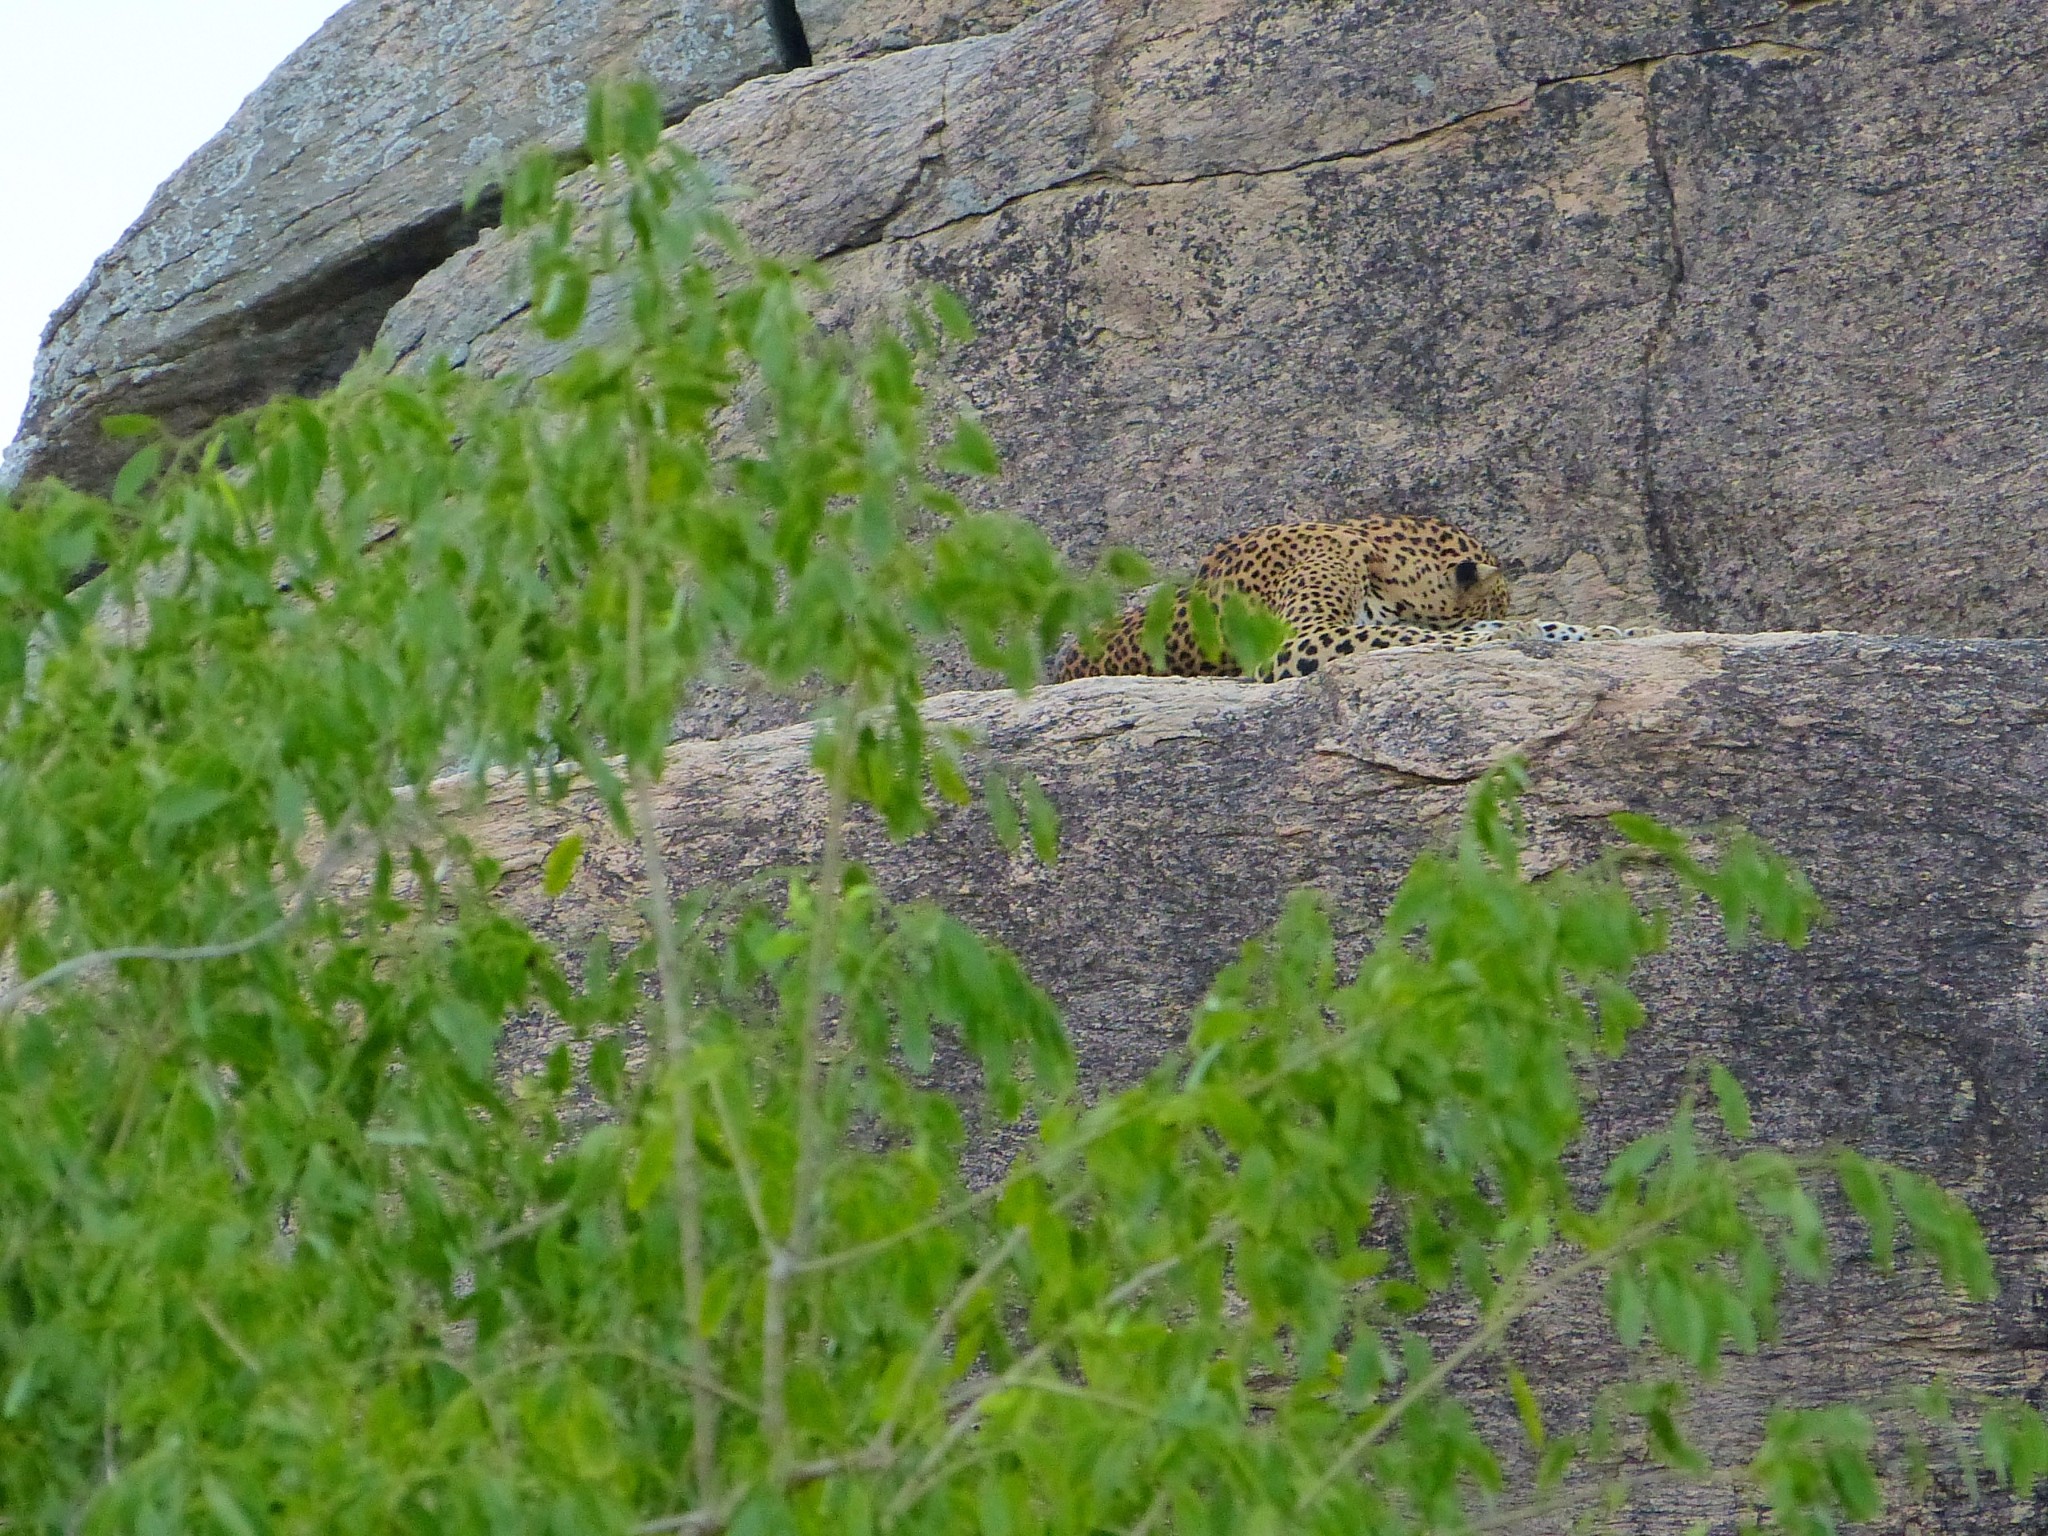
[(1472, 572)]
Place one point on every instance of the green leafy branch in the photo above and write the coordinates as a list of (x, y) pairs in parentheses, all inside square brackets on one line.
[(299, 1237)]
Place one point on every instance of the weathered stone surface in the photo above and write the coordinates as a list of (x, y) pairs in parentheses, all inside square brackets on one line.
[(268, 261), (1851, 386), (1904, 776), (1730, 310), (847, 29), (1249, 258)]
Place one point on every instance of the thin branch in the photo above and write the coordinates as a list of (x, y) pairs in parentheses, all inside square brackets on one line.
[(221, 1331), (942, 1325), (1616, 1490), (543, 1217), (875, 1247), (1059, 1386), (683, 1109), (698, 1522), (1484, 1338), (783, 1262), (1151, 1516), (535, 1359), (706, 1522), (923, 1480), (639, 1357), (675, 998), (743, 1170), (308, 894), (1055, 1160)]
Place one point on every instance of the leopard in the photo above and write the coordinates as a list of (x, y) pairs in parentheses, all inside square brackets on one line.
[(1372, 583)]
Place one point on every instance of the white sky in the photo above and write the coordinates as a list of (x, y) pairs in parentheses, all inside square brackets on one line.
[(100, 100)]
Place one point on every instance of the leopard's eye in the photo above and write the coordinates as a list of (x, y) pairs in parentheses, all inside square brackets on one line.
[(1468, 573)]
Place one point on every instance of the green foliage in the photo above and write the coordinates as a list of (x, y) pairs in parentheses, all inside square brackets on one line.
[(1252, 633), (286, 1248)]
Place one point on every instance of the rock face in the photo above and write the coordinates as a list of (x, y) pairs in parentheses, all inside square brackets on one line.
[(1729, 312), (268, 261), (1849, 407), (1903, 775)]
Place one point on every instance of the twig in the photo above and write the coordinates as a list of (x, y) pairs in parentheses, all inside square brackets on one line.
[(1151, 1516), (1618, 1490), (1484, 1338), (1043, 1166), (708, 1521), (743, 1169), (943, 1324), (783, 1262), (1055, 1159), (875, 1247), (226, 1335), (698, 1522), (534, 1359), (1059, 1386), (525, 1228), (639, 1357), (688, 1190), (924, 1479), (337, 851)]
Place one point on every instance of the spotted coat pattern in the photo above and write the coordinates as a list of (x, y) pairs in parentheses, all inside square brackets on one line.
[(1367, 585)]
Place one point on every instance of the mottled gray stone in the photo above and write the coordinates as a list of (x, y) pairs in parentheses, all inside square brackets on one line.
[(1903, 775), (1245, 259), (267, 262), (1171, 221), (846, 29), (1851, 385)]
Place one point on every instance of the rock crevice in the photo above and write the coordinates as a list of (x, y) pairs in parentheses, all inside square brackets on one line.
[(1674, 585), (792, 43)]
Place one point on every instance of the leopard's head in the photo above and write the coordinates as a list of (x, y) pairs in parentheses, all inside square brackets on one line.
[(1431, 572)]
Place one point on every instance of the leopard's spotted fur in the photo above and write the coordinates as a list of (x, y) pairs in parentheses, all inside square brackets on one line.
[(1374, 584)]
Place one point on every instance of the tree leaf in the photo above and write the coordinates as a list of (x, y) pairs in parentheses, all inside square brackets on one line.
[(226, 1508), (1527, 1407), (1863, 1187), (1252, 633), (972, 451), (1042, 819), (652, 1165), (136, 474), (1160, 610), (1734, 1103), (1203, 622), (561, 291), (951, 313), (560, 867), (1002, 811)]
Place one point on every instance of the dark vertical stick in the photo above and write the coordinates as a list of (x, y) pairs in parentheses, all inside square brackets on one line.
[(788, 27)]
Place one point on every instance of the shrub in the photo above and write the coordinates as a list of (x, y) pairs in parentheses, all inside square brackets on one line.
[(286, 1250)]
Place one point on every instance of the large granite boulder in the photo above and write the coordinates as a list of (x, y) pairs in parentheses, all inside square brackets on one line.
[(1730, 312), (268, 261), (1903, 775), (1725, 311)]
